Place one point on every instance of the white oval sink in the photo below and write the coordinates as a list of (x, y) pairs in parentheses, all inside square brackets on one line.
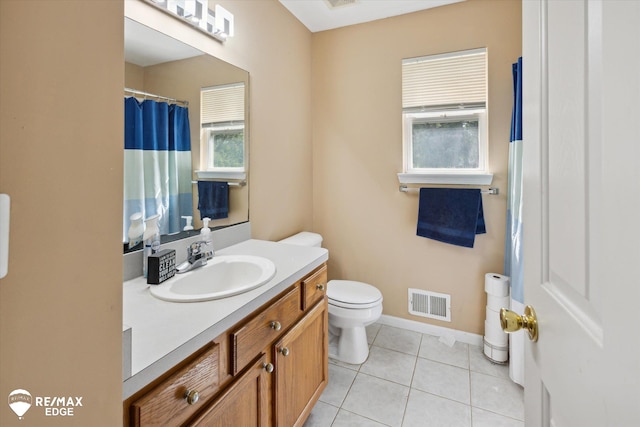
[(223, 276)]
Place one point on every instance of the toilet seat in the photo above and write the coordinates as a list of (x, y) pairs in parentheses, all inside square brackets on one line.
[(352, 294)]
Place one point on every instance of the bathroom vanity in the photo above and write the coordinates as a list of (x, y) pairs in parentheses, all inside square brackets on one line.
[(255, 359)]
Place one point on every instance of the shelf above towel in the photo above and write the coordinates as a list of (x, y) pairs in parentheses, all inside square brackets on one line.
[(229, 175), (446, 178)]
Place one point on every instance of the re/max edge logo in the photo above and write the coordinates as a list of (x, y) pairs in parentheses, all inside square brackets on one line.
[(20, 401)]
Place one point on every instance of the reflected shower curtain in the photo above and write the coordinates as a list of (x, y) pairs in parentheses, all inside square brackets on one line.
[(513, 262), (157, 163)]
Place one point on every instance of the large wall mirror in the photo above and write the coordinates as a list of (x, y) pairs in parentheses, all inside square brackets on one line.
[(162, 69)]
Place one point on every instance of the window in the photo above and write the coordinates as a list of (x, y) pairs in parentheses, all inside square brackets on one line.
[(222, 128), (225, 145), (444, 111)]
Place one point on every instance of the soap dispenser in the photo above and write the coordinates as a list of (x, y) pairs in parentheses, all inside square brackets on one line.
[(189, 225), (151, 240), (205, 234), (205, 230), (136, 230)]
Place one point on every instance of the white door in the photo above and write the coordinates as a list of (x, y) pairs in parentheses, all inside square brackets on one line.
[(581, 123)]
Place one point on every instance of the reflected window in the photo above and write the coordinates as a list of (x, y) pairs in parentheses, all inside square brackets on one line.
[(222, 121), (225, 146)]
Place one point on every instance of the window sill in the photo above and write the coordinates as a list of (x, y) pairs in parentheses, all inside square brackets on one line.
[(449, 178), (235, 175)]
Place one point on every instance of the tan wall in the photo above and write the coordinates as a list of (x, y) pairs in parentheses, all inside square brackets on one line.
[(368, 225), (276, 50), (61, 127), (133, 76)]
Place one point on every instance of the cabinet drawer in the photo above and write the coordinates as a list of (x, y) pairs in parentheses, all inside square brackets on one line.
[(166, 404), (314, 287), (249, 340)]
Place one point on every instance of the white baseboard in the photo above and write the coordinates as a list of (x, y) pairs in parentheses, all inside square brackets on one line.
[(425, 328)]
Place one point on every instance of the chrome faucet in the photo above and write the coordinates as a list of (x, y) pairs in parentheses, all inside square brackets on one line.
[(197, 256)]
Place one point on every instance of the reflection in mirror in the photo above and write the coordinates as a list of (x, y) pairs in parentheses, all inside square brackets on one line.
[(222, 121), (160, 70)]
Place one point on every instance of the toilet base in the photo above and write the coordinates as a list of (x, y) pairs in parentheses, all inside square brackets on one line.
[(349, 345)]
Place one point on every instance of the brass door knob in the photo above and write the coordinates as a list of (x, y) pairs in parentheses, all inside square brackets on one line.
[(284, 351), (275, 325), (192, 396), (512, 322), (320, 287), (268, 367)]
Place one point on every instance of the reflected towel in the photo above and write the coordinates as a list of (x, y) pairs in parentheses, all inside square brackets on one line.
[(451, 215), (213, 199)]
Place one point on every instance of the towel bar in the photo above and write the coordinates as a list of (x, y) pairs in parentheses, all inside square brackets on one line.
[(231, 184), (491, 190)]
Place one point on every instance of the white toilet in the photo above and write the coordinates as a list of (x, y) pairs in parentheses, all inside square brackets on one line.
[(352, 307)]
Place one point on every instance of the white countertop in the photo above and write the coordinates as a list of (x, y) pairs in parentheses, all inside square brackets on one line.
[(165, 333)]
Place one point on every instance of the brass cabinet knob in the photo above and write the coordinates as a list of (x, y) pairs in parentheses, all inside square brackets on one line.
[(275, 325), (284, 351), (320, 286), (268, 367), (192, 396), (512, 322)]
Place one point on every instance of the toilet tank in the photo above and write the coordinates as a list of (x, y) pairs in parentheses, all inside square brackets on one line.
[(304, 238)]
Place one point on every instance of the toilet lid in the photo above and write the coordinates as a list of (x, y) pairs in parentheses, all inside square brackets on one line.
[(348, 293)]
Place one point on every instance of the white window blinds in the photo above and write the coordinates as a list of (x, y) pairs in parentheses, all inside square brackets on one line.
[(451, 80), (222, 104)]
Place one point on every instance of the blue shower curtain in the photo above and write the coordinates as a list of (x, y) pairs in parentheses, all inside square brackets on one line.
[(157, 163), (513, 262)]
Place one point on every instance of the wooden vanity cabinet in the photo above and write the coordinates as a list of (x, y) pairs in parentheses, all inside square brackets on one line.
[(268, 370)]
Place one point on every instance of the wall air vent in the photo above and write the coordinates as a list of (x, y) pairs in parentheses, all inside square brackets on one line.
[(430, 304), (338, 3)]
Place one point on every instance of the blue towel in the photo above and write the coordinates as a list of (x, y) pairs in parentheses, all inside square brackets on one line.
[(213, 199), (451, 215)]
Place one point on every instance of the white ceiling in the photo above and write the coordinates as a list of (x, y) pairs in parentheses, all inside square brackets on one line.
[(317, 15), (145, 46)]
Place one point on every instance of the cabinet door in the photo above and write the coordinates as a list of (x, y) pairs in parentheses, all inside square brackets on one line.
[(301, 367), (244, 403)]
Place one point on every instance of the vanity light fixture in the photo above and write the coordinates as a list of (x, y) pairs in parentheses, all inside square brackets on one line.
[(218, 23), (224, 21)]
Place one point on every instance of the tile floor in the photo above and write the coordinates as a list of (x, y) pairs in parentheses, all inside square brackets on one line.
[(412, 379)]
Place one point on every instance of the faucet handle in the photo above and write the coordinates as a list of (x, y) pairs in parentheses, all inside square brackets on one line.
[(198, 247), (197, 256)]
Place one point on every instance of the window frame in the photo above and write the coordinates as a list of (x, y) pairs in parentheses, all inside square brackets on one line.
[(425, 95), (210, 149), (409, 118)]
